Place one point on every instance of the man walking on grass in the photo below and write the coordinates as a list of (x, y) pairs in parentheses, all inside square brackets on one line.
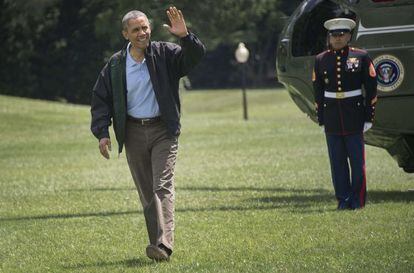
[(137, 90)]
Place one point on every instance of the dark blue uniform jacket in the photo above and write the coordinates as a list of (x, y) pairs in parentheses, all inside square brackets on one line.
[(340, 71)]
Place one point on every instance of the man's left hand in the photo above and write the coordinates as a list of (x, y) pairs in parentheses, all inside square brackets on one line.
[(177, 22), (367, 126)]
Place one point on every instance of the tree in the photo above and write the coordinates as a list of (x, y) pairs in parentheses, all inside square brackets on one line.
[(54, 49)]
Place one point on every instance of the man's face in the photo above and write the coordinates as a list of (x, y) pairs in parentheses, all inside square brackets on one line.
[(138, 32), (338, 41)]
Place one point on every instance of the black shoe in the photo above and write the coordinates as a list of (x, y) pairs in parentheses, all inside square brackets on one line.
[(343, 205), (356, 205)]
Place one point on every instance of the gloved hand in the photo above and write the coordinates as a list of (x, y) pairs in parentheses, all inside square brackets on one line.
[(367, 126)]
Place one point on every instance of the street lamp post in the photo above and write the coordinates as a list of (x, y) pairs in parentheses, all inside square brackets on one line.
[(242, 55)]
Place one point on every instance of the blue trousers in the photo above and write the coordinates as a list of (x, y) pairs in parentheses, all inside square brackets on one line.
[(345, 153)]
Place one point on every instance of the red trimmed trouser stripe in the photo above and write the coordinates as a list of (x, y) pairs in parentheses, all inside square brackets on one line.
[(363, 192), (356, 155)]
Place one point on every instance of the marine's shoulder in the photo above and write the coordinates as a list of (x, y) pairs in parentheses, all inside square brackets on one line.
[(323, 54), (358, 51)]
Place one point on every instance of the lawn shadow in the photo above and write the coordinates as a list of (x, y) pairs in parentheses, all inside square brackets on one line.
[(69, 215), (100, 189), (299, 200), (307, 203), (261, 189), (134, 262), (376, 196), (211, 189)]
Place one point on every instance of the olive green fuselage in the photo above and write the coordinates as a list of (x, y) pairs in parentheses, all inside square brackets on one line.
[(386, 31)]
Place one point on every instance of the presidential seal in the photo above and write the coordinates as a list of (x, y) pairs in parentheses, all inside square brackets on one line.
[(390, 72)]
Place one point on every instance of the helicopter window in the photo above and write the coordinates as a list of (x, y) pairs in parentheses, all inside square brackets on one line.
[(309, 35)]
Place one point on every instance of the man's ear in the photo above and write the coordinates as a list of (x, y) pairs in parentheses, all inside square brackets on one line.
[(150, 23), (125, 34), (349, 37)]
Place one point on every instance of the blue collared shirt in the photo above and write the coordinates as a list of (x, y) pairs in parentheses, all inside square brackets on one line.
[(141, 101)]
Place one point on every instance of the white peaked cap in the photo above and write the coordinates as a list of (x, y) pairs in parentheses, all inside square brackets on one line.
[(339, 24)]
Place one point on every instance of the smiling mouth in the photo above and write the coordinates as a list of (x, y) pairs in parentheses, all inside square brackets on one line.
[(142, 39)]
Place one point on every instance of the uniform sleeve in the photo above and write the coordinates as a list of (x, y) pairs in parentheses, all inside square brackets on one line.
[(370, 84), (188, 55), (101, 105), (318, 89)]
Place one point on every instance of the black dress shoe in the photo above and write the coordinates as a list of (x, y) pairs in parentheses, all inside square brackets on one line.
[(343, 205), (356, 205)]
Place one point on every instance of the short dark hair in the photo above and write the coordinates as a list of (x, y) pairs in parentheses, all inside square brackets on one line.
[(133, 14)]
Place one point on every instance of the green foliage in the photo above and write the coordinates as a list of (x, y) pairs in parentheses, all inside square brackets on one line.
[(252, 196), (51, 50), (54, 49)]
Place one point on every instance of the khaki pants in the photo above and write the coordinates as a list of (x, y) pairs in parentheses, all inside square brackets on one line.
[(151, 155)]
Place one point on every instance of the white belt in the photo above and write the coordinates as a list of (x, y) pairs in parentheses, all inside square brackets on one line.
[(343, 95)]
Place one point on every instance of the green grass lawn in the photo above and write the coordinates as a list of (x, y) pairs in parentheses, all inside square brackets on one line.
[(252, 196)]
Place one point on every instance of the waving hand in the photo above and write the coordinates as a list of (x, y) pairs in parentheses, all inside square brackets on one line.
[(177, 25)]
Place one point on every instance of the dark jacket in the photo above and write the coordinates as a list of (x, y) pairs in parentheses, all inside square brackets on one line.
[(340, 71), (167, 63)]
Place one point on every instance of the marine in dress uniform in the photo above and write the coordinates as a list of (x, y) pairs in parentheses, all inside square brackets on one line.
[(344, 111)]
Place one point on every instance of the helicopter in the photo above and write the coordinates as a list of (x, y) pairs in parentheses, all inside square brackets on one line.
[(385, 28)]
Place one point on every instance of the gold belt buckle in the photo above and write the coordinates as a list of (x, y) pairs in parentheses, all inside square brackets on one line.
[(340, 95)]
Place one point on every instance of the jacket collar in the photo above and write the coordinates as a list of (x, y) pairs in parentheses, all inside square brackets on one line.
[(341, 52), (124, 50), (148, 50)]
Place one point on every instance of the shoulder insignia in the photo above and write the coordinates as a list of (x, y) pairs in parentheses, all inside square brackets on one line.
[(358, 50)]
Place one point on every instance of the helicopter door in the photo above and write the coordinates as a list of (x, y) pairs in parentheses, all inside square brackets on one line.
[(309, 34)]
